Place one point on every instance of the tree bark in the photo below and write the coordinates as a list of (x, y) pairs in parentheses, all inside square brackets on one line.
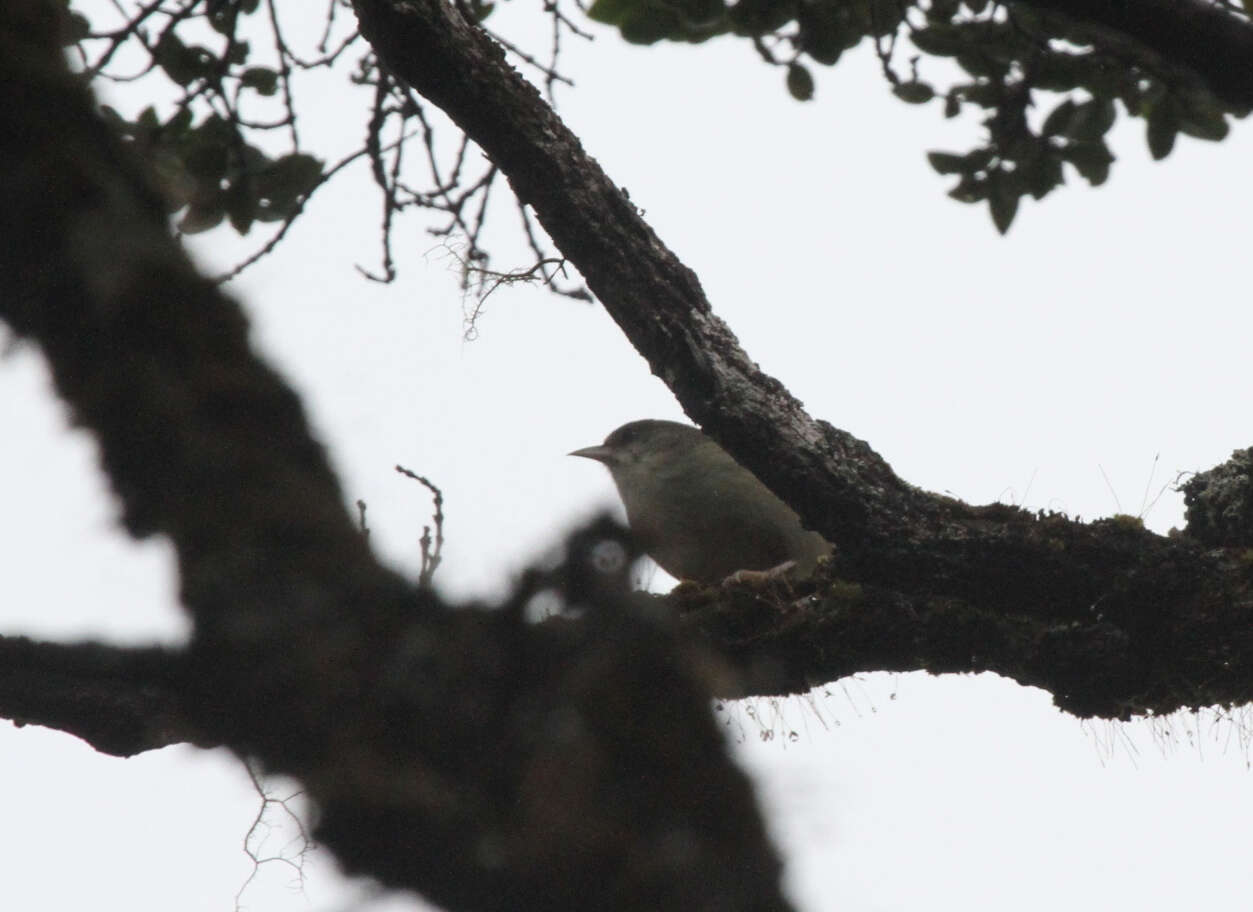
[(488, 763), (1095, 610)]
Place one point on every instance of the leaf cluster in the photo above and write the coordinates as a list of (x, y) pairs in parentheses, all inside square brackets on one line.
[(209, 172), (209, 149), (1009, 60), (1020, 63), (228, 92), (1046, 89)]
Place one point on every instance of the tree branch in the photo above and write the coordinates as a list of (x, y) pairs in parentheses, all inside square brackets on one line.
[(120, 701), (1003, 566), (489, 763), (1203, 36), (1176, 633), (844, 486)]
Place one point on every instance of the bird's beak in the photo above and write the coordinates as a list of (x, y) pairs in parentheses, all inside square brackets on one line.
[(600, 453)]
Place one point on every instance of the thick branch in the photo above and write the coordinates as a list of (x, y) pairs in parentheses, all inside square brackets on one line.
[(1201, 35), (120, 701), (462, 753), (845, 488), (297, 627), (1000, 560), (1175, 633)]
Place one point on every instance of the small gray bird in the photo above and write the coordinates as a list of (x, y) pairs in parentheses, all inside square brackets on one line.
[(696, 511)]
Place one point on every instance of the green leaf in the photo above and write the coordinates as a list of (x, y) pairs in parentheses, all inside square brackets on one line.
[(221, 15), (1003, 200), (799, 82), (205, 156), (241, 206), (1092, 119), (170, 55), (759, 17), (113, 118), (885, 16), (217, 129), (262, 80), (177, 126), (77, 27), (1055, 72), (281, 186), (301, 170), (823, 32), (947, 162), (479, 9), (1043, 172), (200, 217), (913, 92), (701, 14), (939, 40), (1091, 159), (177, 187), (1201, 116), (978, 63), (648, 25), (969, 189), (1059, 118), (181, 63), (1162, 127), (984, 94), (612, 12), (942, 10)]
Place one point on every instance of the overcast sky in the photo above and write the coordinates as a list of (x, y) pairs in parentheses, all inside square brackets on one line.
[(1078, 364)]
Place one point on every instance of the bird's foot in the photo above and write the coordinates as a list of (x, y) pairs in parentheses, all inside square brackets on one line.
[(761, 577)]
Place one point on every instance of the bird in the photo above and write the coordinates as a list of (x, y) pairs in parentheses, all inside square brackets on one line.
[(696, 511)]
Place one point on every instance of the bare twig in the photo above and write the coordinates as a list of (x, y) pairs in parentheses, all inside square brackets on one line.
[(431, 556)]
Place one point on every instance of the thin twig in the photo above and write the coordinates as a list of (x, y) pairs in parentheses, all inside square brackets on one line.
[(431, 557)]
